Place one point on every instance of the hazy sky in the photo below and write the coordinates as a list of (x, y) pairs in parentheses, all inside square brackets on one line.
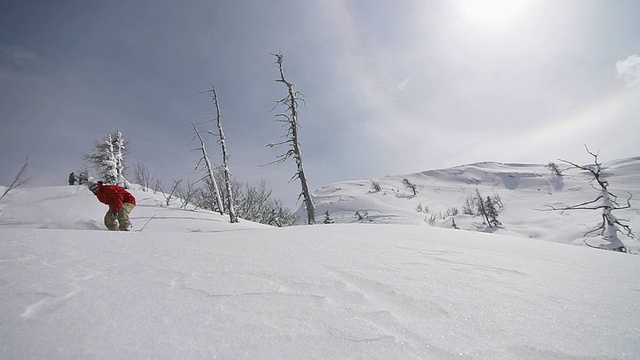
[(391, 87)]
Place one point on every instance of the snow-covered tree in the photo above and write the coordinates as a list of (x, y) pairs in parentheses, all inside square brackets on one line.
[(611, 225), (488, 208), (108, 159), (83, 176), (119, 149), (290, 118)]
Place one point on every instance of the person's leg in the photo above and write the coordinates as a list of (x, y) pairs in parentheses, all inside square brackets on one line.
[(110, 221), (123, 216)]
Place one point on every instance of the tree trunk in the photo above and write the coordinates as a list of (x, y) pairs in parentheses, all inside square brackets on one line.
[(205, 157), (233, 218), (292, 118)]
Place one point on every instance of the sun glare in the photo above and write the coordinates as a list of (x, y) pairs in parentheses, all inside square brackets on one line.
[(493, 10)]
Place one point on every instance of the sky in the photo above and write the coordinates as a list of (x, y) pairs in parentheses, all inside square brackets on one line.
[(190, 285), (390, 87)]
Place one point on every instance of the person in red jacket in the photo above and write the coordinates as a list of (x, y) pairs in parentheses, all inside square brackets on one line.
[(120, 202)]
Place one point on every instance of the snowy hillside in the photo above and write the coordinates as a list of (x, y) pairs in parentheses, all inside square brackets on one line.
[(75, 207), (527, 192), (191, 285)]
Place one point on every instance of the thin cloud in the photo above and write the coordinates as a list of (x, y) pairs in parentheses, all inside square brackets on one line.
[(404, 83), (629, 70), (16, 55)]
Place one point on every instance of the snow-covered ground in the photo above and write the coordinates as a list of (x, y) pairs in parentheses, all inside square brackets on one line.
[(191, 285), (527, 192)]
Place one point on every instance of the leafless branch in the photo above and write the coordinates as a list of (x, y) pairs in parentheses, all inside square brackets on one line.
[(20, 179), (145, 224), (610, 224)]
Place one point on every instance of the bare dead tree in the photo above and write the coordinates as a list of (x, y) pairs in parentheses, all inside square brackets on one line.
[(168, 196), (212, 179), (482, 210), (142, 176), (290, 119), (20, 179), (157, 186), (188, 195), (233, 218), (610, 226)]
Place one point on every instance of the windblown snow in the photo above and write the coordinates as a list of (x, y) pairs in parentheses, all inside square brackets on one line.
[(188, 284)]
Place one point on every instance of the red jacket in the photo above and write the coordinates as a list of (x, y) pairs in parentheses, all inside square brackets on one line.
[(114, 196)]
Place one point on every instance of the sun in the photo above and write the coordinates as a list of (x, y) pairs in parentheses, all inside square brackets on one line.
[(493, 10)]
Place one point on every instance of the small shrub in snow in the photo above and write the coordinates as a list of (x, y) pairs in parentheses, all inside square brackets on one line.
[(490, 206), (452, 211), (555, 170), (176, 190), (83, 176), (327, 218), (410, 186), (375, 186), (142, 176), (362, 215), (424, 209), (469, 208)]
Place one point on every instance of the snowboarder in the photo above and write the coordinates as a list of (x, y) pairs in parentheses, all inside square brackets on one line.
[(72, 178), (120, 202)]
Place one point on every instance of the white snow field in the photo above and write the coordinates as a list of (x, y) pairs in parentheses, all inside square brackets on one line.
[(191, 285), (527, 191)]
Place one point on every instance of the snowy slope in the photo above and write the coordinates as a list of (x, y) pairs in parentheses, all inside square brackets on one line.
[(75, 207), (191, 285), (527, 192)]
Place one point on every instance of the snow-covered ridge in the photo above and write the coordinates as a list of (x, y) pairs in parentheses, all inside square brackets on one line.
[(526, 190)]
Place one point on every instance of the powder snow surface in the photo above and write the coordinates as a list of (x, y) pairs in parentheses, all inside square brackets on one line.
[(191, 285)]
